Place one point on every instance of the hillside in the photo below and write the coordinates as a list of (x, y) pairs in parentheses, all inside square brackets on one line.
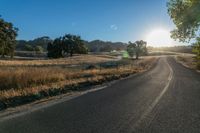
[(105, 46)]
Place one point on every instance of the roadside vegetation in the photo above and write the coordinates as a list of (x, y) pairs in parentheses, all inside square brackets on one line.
[(8, 35), (27, 84), (188, 61), (185, 15)]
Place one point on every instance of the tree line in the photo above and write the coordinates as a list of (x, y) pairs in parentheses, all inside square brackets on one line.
[(184, 13), (38, 45), (63, 46), (186, 16), (67, 45), (8, 35)]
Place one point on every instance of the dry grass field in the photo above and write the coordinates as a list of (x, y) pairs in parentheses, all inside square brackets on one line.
[(25, 81), (75, 60)]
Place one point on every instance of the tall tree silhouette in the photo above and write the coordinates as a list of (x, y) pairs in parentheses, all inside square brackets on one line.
[(66, 46), (8, 35), (137, 48)]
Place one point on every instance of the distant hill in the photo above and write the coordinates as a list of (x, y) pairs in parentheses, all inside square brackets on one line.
[(93, 46), (104, 46), (31, 45)]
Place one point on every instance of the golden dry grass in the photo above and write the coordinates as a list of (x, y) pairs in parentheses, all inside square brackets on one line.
[(97, 76), (28, 81), (187, 61), (86, 59)]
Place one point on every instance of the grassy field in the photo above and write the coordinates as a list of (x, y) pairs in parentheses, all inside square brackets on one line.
[(75, 60), (26, 81)]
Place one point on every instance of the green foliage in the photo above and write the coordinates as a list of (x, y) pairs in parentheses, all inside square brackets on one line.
[(196, 49), (28, 47), (131, 49), (104, 46), (7, 38), (138, 48), (39, 49), (66, 46), (186, 16)]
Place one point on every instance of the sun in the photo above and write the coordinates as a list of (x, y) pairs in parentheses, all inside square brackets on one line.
[(159, 38)]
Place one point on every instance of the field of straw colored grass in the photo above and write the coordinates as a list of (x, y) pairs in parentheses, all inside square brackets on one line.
[(75, 60), (188, 61), (24, 83)]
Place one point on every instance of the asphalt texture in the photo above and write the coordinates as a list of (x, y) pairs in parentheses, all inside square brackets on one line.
[(165, 99)]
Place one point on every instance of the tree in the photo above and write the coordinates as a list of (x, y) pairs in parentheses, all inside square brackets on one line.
[(28, 47), (66, 46), (39, 49), (186, 16), (8, 35), (55, 48), (196, 49), (131, 49), (138, 48)]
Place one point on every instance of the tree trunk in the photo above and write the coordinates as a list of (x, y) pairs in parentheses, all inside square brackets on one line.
[(2, 56), (71, 53), (12, 55), (137, 56)]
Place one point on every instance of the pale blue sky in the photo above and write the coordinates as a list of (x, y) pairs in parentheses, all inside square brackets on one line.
[(111, 20)]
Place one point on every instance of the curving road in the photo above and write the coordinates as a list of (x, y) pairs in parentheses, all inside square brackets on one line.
[(163, 99)]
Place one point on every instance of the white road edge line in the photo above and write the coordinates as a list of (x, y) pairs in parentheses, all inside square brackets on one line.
[(155, 102)]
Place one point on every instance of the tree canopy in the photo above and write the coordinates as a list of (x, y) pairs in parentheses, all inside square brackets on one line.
[(137, 48), (8, 35), (66, 46), (186, 16)]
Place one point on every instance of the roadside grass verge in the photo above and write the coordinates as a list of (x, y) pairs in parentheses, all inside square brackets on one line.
[(21, 85), (188, 61)]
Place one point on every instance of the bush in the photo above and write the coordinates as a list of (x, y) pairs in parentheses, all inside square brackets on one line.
[(39, 49), (28, 47)]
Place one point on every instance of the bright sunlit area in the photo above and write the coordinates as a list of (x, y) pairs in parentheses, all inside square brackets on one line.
[(159, 37)]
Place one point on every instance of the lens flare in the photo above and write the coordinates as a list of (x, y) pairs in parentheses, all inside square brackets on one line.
[(159, 38)]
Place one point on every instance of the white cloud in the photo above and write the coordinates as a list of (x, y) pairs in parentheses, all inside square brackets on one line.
[(113, 27)]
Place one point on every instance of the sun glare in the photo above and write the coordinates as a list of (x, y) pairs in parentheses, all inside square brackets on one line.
[(159, 38)]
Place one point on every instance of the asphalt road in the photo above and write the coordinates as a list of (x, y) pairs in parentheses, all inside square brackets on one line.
[(163, 99)]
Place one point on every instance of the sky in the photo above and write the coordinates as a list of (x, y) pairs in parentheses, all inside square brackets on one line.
[(109, 20)]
